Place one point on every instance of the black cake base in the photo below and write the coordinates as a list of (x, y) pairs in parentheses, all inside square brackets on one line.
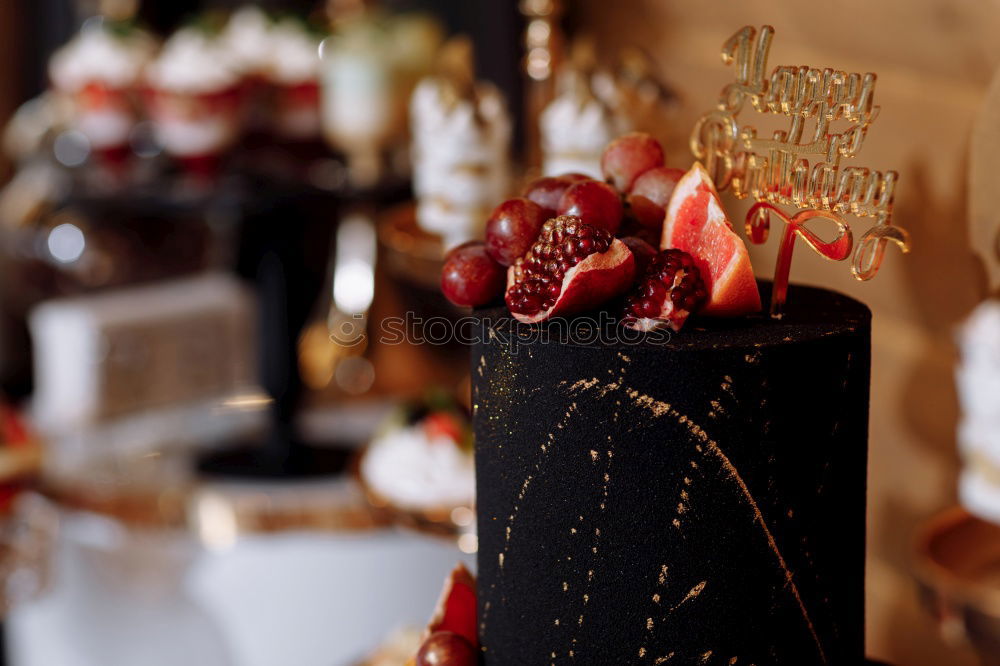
[(693, 501)]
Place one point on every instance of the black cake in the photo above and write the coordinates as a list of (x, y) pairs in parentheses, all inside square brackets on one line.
[(697, 500)]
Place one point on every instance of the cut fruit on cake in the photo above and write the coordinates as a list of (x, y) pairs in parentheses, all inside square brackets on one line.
[(571, 268), (697, 224), (456, 609)]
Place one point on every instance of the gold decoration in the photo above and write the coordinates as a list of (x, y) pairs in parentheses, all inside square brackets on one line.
[(777, 171)]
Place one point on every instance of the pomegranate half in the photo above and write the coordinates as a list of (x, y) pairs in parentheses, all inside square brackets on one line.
[(571, 267)]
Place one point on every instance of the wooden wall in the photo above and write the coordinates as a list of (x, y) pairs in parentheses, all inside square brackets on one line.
[(934, 60)]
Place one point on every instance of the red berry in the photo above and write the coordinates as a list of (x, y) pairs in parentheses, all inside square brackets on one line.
[(547, 191), (470, 276), (594, 202), (445, 648), (444, 424), (628, 156), (512, 228), (538, 276)]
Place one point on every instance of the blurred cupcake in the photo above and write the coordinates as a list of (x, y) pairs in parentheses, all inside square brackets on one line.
[(293, 73), (461, 138), (574, 133), (420, 463), (577, 125), (575, 128), (246, 38), (99, 71), (195, 97)]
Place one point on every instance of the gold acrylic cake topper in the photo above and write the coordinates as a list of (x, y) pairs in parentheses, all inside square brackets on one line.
[(789, 170)]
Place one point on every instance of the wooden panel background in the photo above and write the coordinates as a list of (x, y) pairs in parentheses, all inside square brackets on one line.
[(934, 59)]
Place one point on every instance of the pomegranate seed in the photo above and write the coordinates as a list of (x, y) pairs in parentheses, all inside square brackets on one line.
[(670, 274)]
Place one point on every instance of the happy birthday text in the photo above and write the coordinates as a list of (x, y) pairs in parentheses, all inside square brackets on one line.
[(796, 167)]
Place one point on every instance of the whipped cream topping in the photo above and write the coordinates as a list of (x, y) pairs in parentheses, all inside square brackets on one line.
[(978, 382), (246, 37), (96, 55), (574, 134), (979, 370), (293, 54), (577, 125), (414, 471), (460, 158), (193, 63)]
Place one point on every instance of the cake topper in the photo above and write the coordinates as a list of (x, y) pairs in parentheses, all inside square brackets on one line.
[(798, 168)]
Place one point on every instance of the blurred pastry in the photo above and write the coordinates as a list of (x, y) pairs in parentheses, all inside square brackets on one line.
[(978, 382), (195, 96), (578, 123), (98, 72), (421, 462), (246, 37), (461, 137), (293, 72)]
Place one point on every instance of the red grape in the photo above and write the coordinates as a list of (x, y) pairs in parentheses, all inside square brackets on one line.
[(628, 156), (649, 198), (547, 191), (446, 648), (657, 185), (471, 277), (594, 202), (512, 228)]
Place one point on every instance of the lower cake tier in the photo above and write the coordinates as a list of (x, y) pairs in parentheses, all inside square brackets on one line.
[(692, 500)]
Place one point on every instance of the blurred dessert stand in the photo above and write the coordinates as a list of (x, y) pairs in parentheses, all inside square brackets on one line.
[(157, 566)]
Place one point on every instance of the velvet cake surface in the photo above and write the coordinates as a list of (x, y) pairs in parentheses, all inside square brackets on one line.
[(697, 498)]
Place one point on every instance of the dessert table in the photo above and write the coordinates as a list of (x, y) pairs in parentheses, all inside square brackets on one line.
[(158, 565)]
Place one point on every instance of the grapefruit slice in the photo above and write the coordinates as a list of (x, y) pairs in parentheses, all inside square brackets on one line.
[(456, 609), (696, 223)]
